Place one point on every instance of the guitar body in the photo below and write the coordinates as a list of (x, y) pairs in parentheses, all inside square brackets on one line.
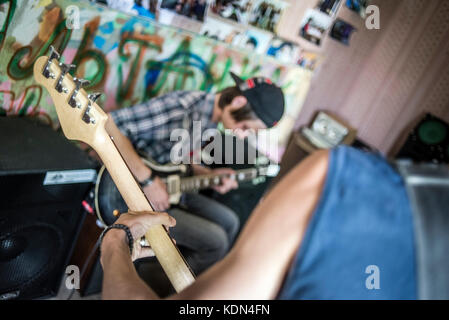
[(108, 197)]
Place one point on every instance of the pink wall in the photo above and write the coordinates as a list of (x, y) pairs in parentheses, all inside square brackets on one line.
[(386, 77)]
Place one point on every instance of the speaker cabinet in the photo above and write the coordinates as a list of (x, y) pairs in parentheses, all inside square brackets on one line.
[(428, 141), (43, 180)]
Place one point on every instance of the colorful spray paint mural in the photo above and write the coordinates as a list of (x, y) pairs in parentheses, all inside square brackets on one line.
[(130, 59)]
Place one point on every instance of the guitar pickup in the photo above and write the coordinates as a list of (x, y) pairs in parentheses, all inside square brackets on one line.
[(53, 55), (64, 69), (79, 83)]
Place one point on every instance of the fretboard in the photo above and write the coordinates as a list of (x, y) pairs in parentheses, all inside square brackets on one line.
[(207, 181)]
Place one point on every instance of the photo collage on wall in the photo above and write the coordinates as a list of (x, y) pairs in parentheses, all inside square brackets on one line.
[(247, 24), (263, 14), (321, 19)]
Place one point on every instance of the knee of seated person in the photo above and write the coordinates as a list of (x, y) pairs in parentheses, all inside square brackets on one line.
[(218, 243), (232, 220)]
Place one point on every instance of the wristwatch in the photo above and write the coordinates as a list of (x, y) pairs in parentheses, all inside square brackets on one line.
[(148, 181)]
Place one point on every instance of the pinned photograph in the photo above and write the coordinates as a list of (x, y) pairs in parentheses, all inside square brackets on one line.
[(263, 14), (266, 14), (255, 40), (342, 31), (222, 31), (309, 60), (144, 8), (358, 6), (314, 25), (195, 9), (329, 7), (236, 10), (284, 50)]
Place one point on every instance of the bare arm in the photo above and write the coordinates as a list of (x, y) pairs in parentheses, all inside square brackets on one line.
[(120, 279), (257, 265)]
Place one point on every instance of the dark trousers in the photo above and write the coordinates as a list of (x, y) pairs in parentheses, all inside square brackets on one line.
[(205, 228)]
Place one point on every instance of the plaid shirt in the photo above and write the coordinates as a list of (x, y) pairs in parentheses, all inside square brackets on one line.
[(149, 125)]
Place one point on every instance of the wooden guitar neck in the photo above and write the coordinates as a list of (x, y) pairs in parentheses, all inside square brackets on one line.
[(82, 119), (171, 260)]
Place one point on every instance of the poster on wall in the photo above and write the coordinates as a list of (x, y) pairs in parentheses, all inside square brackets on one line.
[(222, 31), (314, 26), (358, 6), (284, 50), (329, 7), (309, 60), (266, 14), (235, 10), (194, 9), (144, 8), (263, 14), (342, 31), (256, 40)]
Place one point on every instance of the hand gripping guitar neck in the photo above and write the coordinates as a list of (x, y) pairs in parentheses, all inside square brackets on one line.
[(82, 119)]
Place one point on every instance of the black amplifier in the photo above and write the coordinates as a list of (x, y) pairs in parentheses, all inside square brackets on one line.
[(43, 179)]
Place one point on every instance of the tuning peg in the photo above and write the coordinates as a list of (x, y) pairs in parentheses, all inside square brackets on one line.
[(53, 55), (94, 96), (65, 68), (86, 115), (79, 83)]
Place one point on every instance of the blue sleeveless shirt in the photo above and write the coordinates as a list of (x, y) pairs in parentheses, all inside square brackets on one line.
[(360, 240)]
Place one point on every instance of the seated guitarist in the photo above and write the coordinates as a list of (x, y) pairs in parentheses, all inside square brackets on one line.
[(343, 224), (204, 226)]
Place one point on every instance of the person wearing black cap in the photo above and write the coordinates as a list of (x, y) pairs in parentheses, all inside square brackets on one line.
[(264, 98), (204, 226)]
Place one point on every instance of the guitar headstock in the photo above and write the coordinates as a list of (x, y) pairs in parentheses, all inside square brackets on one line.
[(80, 117)]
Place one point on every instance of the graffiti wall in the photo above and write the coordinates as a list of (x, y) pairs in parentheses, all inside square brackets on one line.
[(130, 59)]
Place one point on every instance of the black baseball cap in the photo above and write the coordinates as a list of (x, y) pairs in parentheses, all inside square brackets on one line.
[(266, 99)]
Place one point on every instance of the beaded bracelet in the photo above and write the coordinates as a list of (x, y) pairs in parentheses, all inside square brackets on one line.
[(124, 228)]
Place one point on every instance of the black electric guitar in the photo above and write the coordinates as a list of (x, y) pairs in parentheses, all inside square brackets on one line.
[(108, 201)]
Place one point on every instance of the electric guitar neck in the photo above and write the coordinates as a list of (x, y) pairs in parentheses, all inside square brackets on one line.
[(206, 181), (82, 119)]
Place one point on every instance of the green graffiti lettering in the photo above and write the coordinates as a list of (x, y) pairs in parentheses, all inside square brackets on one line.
[(126, 87), (18, 72), (85, 53), (9, 15)]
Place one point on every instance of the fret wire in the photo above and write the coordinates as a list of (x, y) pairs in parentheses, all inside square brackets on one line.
[(208, 180)]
